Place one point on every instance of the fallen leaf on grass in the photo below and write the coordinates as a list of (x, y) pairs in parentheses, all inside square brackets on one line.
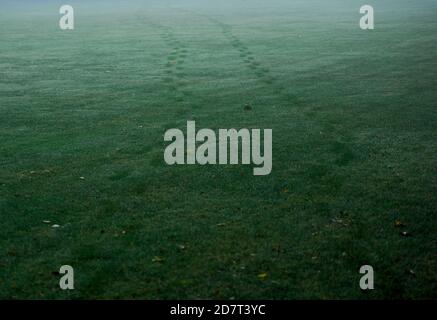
[(411, 271), (399, 223), (158, 259), (263, 276), (185, 282)]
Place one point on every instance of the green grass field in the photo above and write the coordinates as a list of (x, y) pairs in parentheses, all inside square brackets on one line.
[(354, 119)]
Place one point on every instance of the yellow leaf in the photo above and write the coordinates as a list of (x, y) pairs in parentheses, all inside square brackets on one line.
[(263, 276), (158, 259), (399, 223)]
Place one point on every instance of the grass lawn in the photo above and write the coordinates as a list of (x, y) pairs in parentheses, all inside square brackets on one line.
[(82, 119)]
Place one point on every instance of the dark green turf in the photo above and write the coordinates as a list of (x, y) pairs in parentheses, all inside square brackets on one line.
[(353, 115)]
